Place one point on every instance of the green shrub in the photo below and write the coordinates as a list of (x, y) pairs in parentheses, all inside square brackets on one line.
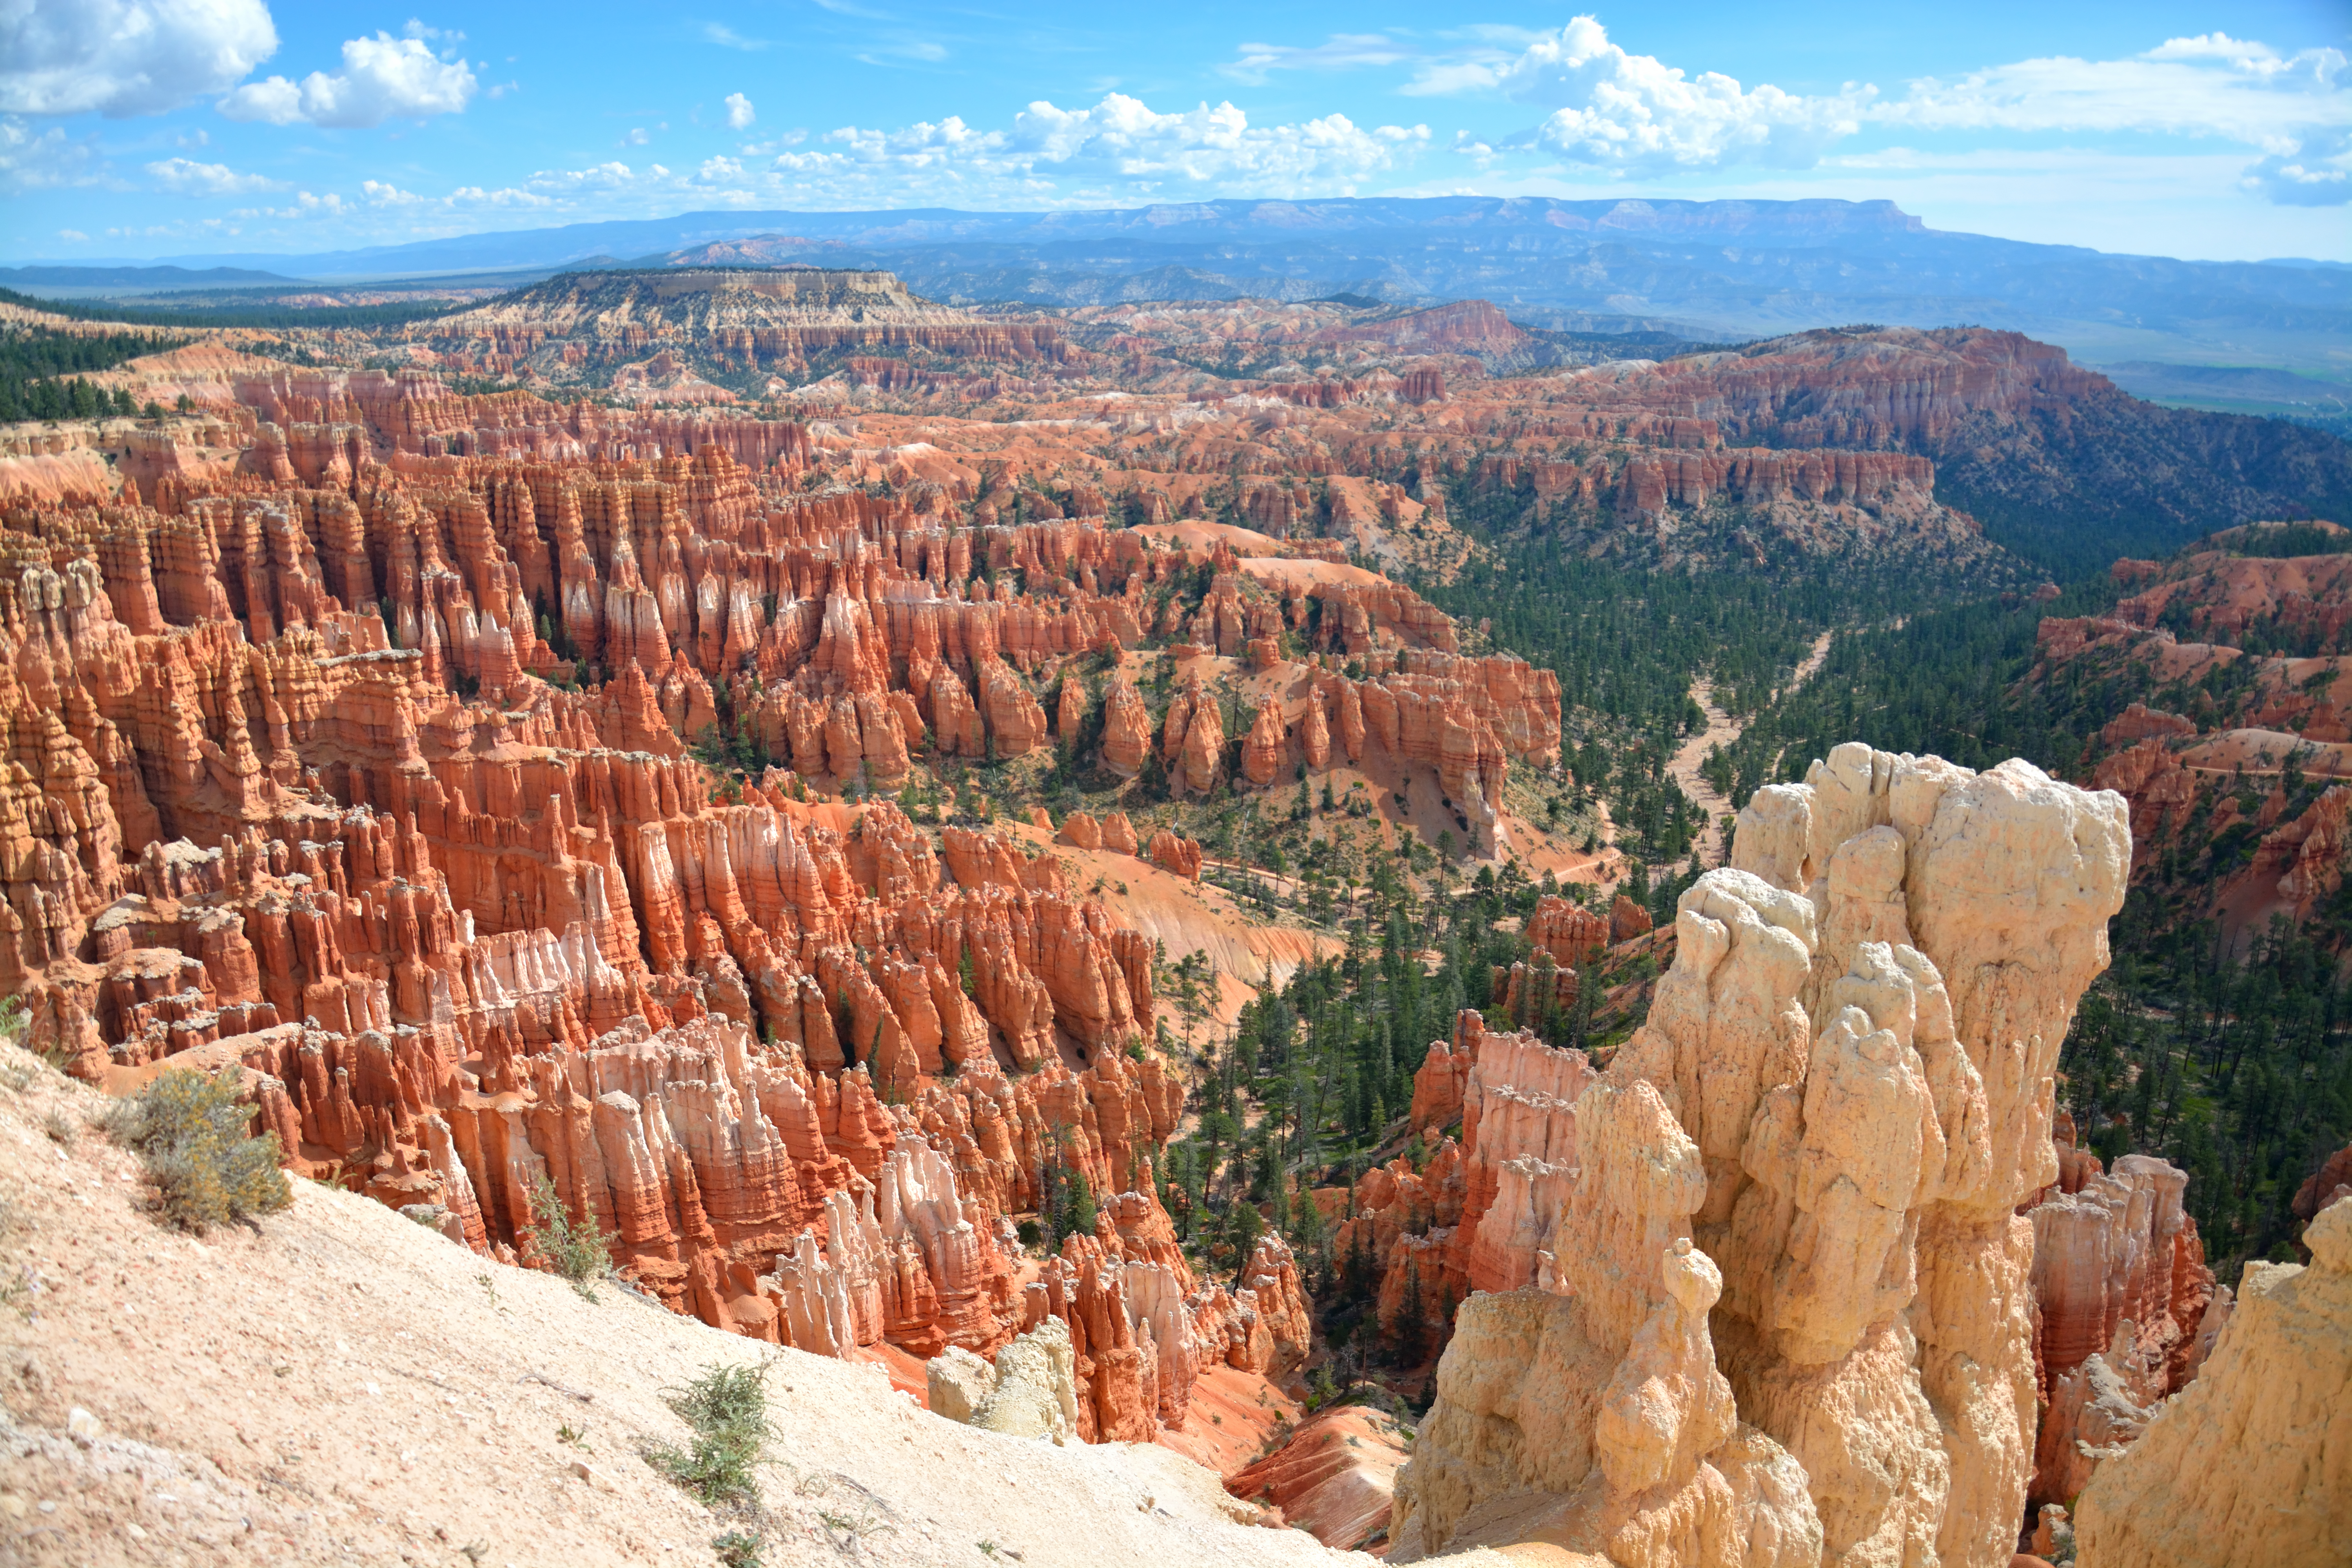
[(577, 1249), (190, 1131), (739, 1548), (727, 1408)]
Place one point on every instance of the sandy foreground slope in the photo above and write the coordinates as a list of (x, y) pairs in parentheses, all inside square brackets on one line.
[(348, 1386)]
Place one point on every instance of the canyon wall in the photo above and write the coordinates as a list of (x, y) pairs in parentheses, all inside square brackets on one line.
[(2125, 1308), (1479, 1215), (2252, 648)]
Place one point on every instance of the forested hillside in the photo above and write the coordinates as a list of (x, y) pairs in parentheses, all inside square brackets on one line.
[(2223, 1045), (43, 372), (2229, 1053)]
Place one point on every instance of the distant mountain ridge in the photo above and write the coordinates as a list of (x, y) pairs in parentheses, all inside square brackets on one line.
[(1716, 270), (152, 278), (1169, 223)]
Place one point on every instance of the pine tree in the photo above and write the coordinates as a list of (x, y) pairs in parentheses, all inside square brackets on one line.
[(1405, 1331), (1308, 1230), (1079, 1213), (1051, 1207), (1243, 1226), (1355, 1273)]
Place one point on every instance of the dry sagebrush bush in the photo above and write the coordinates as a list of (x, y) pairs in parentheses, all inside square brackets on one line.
[(191, 1133)]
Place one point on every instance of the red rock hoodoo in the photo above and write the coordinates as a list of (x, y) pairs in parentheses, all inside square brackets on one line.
[(369, 758)]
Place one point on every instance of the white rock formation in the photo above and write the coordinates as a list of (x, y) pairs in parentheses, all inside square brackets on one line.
[(1031, 1392), (2251, 1464), (1797, 1324), (957, 1384)]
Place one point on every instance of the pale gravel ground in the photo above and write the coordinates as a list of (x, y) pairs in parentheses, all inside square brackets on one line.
[(344, 1388)]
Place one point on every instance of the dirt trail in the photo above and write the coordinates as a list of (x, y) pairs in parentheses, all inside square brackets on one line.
[(1722, 729)]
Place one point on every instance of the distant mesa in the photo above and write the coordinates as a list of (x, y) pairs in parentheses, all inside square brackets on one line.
[(734, 327), (816, 287)]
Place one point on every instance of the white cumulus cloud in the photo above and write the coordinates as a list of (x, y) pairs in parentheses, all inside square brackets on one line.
[(44, 160), (383, 77), (1633, 111), (510, 196), (2295, 107), (2317, 172), (121, 58), (1122, 136), (608, 176), (1635, 114), (187, 177), (739, 112), (2211, 85), (1124, 142), (305, 205)]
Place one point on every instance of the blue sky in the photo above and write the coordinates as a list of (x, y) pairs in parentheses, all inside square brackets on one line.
[(139, 128)]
